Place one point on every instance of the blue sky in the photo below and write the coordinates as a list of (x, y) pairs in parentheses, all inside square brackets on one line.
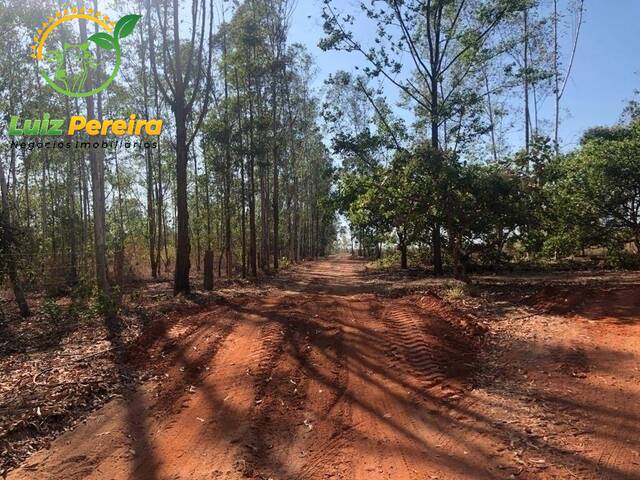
[(605, 74)]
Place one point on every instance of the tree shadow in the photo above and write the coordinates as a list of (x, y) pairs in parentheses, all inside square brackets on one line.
[(323, 344), (366, 347)]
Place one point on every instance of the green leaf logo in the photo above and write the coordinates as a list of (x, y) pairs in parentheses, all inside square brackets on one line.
[(55, 67), (103, 40), (125, 26)]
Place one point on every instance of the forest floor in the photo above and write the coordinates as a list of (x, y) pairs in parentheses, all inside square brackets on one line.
[(331, 371)]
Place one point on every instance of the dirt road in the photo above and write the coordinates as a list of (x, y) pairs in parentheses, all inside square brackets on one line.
[(321, 377)]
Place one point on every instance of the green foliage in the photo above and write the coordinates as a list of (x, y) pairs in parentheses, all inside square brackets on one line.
[(594, 196), (105, 304), (548, 206), (617, 132), (619, 258), (52, 311)]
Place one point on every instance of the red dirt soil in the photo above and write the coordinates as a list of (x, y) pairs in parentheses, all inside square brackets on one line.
[(322, 377)]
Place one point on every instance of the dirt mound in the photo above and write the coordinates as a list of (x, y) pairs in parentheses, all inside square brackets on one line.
[(615, 304), (435, 341)]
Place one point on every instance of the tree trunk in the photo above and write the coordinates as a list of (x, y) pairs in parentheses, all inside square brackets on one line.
[(435, 143), (243, 187), (527, 134), (151, 214), (275, 160), (227, 159), (189, 72), (72, 218), (556, 75), (96, 160), (208, 269), (403, 255), (276, 210), (181, 283), (264, 214), (196, 225), (160, 197), (208, 254), (119, 260), (253, 261), (10, 259), (494, 148)]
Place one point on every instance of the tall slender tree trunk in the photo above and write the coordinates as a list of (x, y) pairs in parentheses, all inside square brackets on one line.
[(27, 200), (227, 160), (243, 193), (11, 257), (85, 212), (181, 283), (253, 261), (96, 160), (71, 213), (276, 209), (264, 213), (159, 195), (276, 165), (208, 254), (196, 225), (556, 77), (527, 133), (186, 72), (494, 148), (119, 261), (151, 213), (436, 240)]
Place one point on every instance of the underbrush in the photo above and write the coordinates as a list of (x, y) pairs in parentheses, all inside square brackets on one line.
[(457, 290), (388, 260), (623, 261)]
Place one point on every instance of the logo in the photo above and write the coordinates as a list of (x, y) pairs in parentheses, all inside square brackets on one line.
[(65, 63)]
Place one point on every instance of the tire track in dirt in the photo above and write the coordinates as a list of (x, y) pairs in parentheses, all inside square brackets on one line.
[(318, 451), (425, 364), (410, 349), (398, 436), (257, 443), (301, 421), (280, 394), (408, 401)]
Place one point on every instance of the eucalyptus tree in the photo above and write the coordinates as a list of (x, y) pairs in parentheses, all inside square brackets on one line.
[(9, 247), (248, 55), (183, 72), (16, 91)]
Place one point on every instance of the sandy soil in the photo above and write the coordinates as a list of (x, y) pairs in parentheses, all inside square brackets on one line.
[(322, 376)]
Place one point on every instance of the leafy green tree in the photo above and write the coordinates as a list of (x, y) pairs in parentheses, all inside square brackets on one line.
[(608, 173), (493, 210)]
